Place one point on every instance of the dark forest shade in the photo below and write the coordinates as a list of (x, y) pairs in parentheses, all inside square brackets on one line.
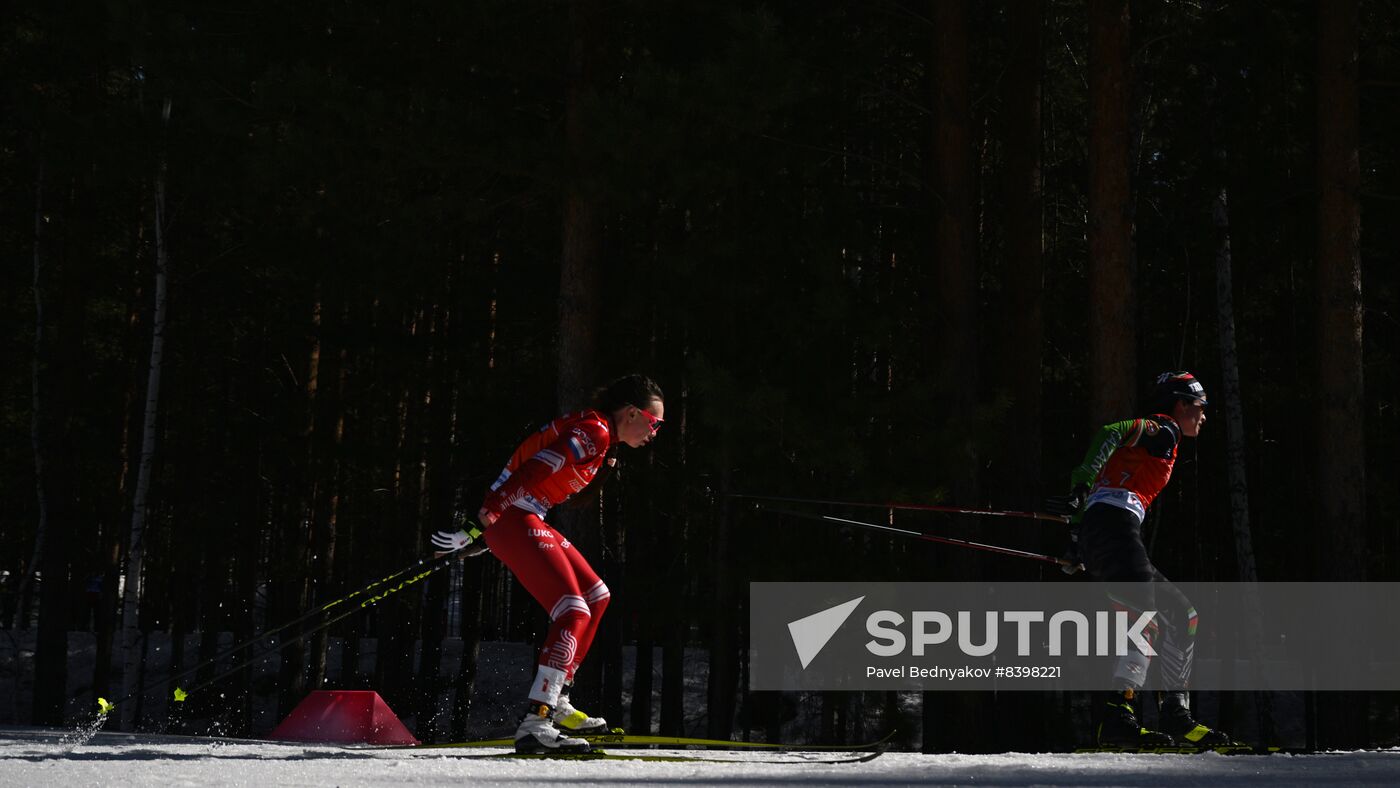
[(1341, 425), (1112, 285), (862, 252)]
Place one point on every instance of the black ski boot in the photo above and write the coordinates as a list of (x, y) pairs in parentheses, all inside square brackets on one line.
[(1120, 726), (1175, 718)]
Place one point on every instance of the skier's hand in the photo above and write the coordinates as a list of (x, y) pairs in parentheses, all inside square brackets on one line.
[(1067, 505), (1073, 564), (468, 541)]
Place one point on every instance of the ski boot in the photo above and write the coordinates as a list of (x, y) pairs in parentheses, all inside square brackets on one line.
[(537, 734), (1120, 726), (1175, 719), (575, 722)]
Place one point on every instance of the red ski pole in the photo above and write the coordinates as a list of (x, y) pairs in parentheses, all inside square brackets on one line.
[(990, 548), (918, 507)]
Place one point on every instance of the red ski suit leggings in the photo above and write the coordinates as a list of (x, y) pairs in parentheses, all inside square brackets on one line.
[(558, 577)]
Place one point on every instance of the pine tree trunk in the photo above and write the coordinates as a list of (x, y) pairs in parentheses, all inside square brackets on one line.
[(248, 555), (104, 632), (1023, 713), (956, 338), (397, 622), (135, 552), (1235, 453), (580, 291), (472, 573), (434, 513), (56, 516), (350, 544), (300, 528), (640, 712), (327, 508), (1112, 297), (955, 232), (473, 593), (672, 720), (1341, 457), (723, 677), (1025, 292), (319, 489), (36, 422), (1234, 411), (107, 620), (580, 284), (675, 623), (608, 642)]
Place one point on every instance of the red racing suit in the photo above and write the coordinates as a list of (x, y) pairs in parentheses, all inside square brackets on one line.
[(546, 469), (1129, 463)]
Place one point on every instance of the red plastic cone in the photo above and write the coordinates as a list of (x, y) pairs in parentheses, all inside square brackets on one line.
[(345, 717)]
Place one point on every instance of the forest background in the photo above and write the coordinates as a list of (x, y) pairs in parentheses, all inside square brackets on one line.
[(285, 280)]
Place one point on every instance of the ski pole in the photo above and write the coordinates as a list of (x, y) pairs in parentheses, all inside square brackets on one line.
[(428, 568), (436, 563), (1049, 559), (918, 507)]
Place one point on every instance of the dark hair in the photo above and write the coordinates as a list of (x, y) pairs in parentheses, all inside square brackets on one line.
[(1172, 387), (634, 389)]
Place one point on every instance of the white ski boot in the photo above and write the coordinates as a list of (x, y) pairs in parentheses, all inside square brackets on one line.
[(537, 734), (573, 721)]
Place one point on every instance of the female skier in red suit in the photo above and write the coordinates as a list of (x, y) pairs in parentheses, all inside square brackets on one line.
[(559, 461)]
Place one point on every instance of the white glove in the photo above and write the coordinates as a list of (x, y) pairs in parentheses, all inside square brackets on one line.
[(467, 540)]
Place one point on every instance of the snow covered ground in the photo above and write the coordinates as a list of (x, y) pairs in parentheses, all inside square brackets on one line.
[(46, 757)]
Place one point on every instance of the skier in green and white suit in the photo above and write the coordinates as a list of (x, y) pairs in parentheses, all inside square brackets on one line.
[(1126, 467)]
